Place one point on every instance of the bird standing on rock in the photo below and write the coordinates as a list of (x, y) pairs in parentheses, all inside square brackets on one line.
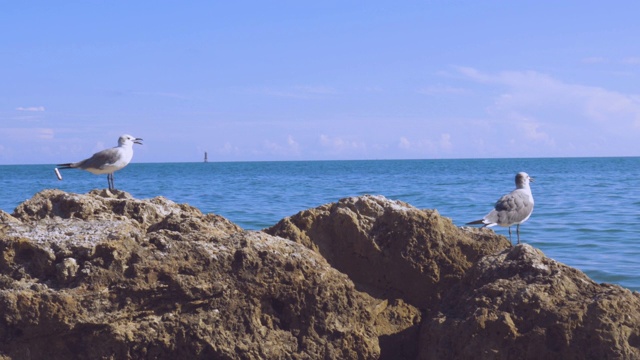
[(107, 161), (513, 208)]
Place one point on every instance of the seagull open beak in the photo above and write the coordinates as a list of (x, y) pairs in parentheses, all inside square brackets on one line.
[(137, 141)]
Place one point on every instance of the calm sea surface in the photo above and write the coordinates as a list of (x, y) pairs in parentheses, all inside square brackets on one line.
[(587, 211)]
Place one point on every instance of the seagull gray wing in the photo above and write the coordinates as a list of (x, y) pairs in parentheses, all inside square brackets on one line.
[(512, 208), (100, 159)]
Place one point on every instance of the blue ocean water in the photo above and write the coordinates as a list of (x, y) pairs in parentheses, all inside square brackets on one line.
[(587, 210)]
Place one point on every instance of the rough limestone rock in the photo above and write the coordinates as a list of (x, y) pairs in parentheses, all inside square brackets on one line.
[(520, 304), (106, 276), (481, 297), (389, 248), (393, 251)]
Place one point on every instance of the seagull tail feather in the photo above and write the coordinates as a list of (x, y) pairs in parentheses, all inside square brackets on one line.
[(481, 221), (66, 166)]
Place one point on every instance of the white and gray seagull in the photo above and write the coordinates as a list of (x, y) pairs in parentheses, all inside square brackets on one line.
[(107, 161), (513, 208)]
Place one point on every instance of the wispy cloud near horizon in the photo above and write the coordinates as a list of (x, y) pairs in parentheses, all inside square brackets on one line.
[(31, 108)]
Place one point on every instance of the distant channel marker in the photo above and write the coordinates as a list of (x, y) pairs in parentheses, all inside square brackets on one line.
[(58, 174)]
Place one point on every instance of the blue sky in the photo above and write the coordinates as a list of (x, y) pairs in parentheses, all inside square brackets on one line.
[(302, 80)]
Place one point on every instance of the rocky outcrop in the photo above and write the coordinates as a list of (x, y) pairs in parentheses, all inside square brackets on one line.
[(520, 304), (481, 298), (104, 275), (391, 249)]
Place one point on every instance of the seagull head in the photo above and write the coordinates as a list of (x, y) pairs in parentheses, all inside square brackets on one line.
[(523, 179), (129, 140)]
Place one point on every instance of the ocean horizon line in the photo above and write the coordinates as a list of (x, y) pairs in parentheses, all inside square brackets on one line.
[(359, 160)]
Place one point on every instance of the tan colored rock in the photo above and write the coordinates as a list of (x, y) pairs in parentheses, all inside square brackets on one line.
[(107, 276), (104, 275), (119, 206), (398, 325), (482, 298), (389, 248), (393, 251), (520, 304)]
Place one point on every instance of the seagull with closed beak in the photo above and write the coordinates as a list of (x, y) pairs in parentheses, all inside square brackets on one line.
[(513, 208)]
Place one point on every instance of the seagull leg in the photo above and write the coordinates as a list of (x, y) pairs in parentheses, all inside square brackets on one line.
[(110, 181), (518, 232), (510, 234)]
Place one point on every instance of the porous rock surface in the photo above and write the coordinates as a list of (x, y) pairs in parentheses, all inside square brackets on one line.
[(481, 298), (520, 304), (107, 276), (389, 248)]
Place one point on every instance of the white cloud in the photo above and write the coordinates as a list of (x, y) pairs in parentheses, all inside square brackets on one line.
[(292, 148), (531, 130), (338, 144), (427, 147), (227, 148), (404, 143), (540, 96), (31, 108), (632, 60), (293, 144), (45, 133)]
